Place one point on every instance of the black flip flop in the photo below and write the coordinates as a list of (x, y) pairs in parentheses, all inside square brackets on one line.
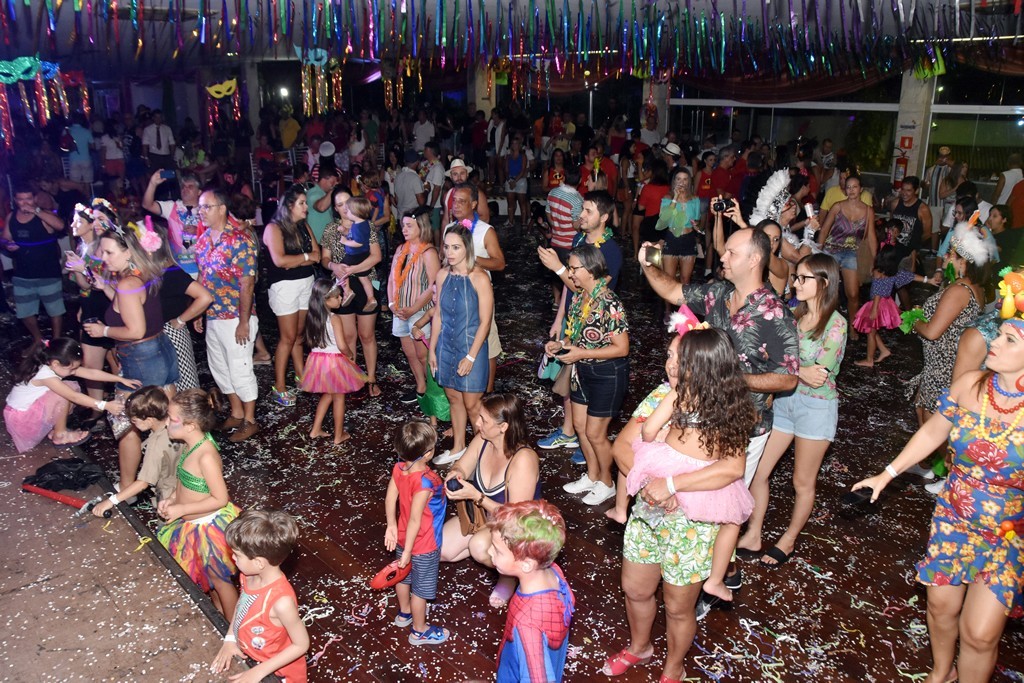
[(777, 555), (747, 554)]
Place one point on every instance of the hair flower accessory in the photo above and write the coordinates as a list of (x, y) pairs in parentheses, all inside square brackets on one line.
[(148, 237), (684, 320), (466, 223)]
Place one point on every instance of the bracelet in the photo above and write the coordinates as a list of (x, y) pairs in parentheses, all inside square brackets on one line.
[(671, 485), (471, 359), (180, 322), (891, 471), (305, 256), (101, 406), (560, 270), (479, 502), (230, 638), (113, 499), (106, 330)]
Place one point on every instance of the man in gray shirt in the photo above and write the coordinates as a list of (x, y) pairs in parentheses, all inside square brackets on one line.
[(408, 187)]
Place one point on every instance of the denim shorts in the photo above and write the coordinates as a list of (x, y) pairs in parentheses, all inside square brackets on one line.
[(601, 386), (806, 416), (152, 361), (403, 328), (846, 258)]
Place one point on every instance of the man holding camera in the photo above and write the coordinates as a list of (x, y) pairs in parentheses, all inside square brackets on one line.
[(762, 330)]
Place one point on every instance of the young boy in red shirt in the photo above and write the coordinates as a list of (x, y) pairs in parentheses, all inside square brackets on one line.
[(267, 626), (416, 535)]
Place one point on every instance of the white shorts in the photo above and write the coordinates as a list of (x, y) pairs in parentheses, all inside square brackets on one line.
[(290, 296), (493, 343), (755, 449), (80, 171), (230, 362)]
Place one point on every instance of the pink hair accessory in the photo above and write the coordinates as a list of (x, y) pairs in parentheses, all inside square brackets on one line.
[(684, 320)]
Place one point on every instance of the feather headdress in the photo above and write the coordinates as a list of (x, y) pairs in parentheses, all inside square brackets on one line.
[(772, 198), (970, 244)]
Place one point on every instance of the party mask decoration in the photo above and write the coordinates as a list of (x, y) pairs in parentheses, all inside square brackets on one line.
[(20, 69), (222, 90)]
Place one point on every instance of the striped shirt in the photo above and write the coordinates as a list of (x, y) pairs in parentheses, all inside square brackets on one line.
[(565, 205), (417, 280)]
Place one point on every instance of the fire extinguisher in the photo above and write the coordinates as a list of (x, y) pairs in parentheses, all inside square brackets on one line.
[(900, 172)]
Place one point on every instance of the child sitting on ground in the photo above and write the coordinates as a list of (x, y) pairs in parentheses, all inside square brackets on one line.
[(357, 248), (147, 410), (267, 626), (416, 535), (200, 509), (41, 399), (526, 538)]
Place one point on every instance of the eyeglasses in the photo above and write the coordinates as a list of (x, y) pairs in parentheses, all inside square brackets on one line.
[(573, 269), (802, 279), (207, 207)]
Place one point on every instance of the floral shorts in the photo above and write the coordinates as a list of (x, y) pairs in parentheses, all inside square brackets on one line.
[(682, 548)]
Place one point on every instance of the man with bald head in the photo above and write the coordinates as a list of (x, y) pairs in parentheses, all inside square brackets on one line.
[(763, 332)]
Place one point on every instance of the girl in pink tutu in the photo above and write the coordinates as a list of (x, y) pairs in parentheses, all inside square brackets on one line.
[(669, 435), (329, 370), (882, 313), (38, 405)]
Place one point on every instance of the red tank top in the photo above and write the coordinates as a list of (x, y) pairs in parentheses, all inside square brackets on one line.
[(258, 636)]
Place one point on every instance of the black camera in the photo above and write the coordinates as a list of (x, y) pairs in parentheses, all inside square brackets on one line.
[(719, 206)]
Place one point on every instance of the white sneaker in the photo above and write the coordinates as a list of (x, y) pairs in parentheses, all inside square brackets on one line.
[(936, 487), (599, 493), (581, 485), (448, 457), (117, 489), (924, 473)]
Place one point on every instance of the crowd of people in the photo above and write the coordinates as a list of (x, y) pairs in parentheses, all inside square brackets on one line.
[(398, 219)]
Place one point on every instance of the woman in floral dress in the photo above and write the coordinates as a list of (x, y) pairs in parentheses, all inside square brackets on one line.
[(972, 566)]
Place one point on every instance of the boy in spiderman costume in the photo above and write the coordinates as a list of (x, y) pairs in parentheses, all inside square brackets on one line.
[(525, 539)]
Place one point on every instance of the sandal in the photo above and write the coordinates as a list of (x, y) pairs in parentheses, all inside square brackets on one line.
[(623, 662), (666, 679), (72, 439), (434, 635), (372, 390), (403, 619)]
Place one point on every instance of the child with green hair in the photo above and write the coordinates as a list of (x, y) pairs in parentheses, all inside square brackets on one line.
[(526, 537)]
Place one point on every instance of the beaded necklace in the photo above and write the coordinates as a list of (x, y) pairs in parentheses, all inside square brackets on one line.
[(1004, 392), (187, 479), (992, 435), (992, 397), (580, 310)]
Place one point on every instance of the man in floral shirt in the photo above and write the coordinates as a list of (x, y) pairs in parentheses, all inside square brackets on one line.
[(226, 256), (763, 331), (761, 326)]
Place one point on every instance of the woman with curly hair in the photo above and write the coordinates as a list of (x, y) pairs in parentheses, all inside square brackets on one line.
[(681, 499), (809, 414)]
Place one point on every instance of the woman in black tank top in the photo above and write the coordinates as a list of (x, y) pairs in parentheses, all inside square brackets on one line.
[(498, 467)]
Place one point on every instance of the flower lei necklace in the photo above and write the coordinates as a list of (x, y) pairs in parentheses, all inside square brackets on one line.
[(605, 236), (408, 263), (997, 438), (580, 310)]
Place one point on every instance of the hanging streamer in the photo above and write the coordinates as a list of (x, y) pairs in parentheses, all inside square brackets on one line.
[(6, 127), (25, 104)]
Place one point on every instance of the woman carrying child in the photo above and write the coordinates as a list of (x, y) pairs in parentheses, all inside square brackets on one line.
[(330, 371), (356, 241), (713, 416), (499, 467), (200, 509), (810, 413), (38, 405)]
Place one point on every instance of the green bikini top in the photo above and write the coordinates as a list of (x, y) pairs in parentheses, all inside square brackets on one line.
[(189, 480)]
